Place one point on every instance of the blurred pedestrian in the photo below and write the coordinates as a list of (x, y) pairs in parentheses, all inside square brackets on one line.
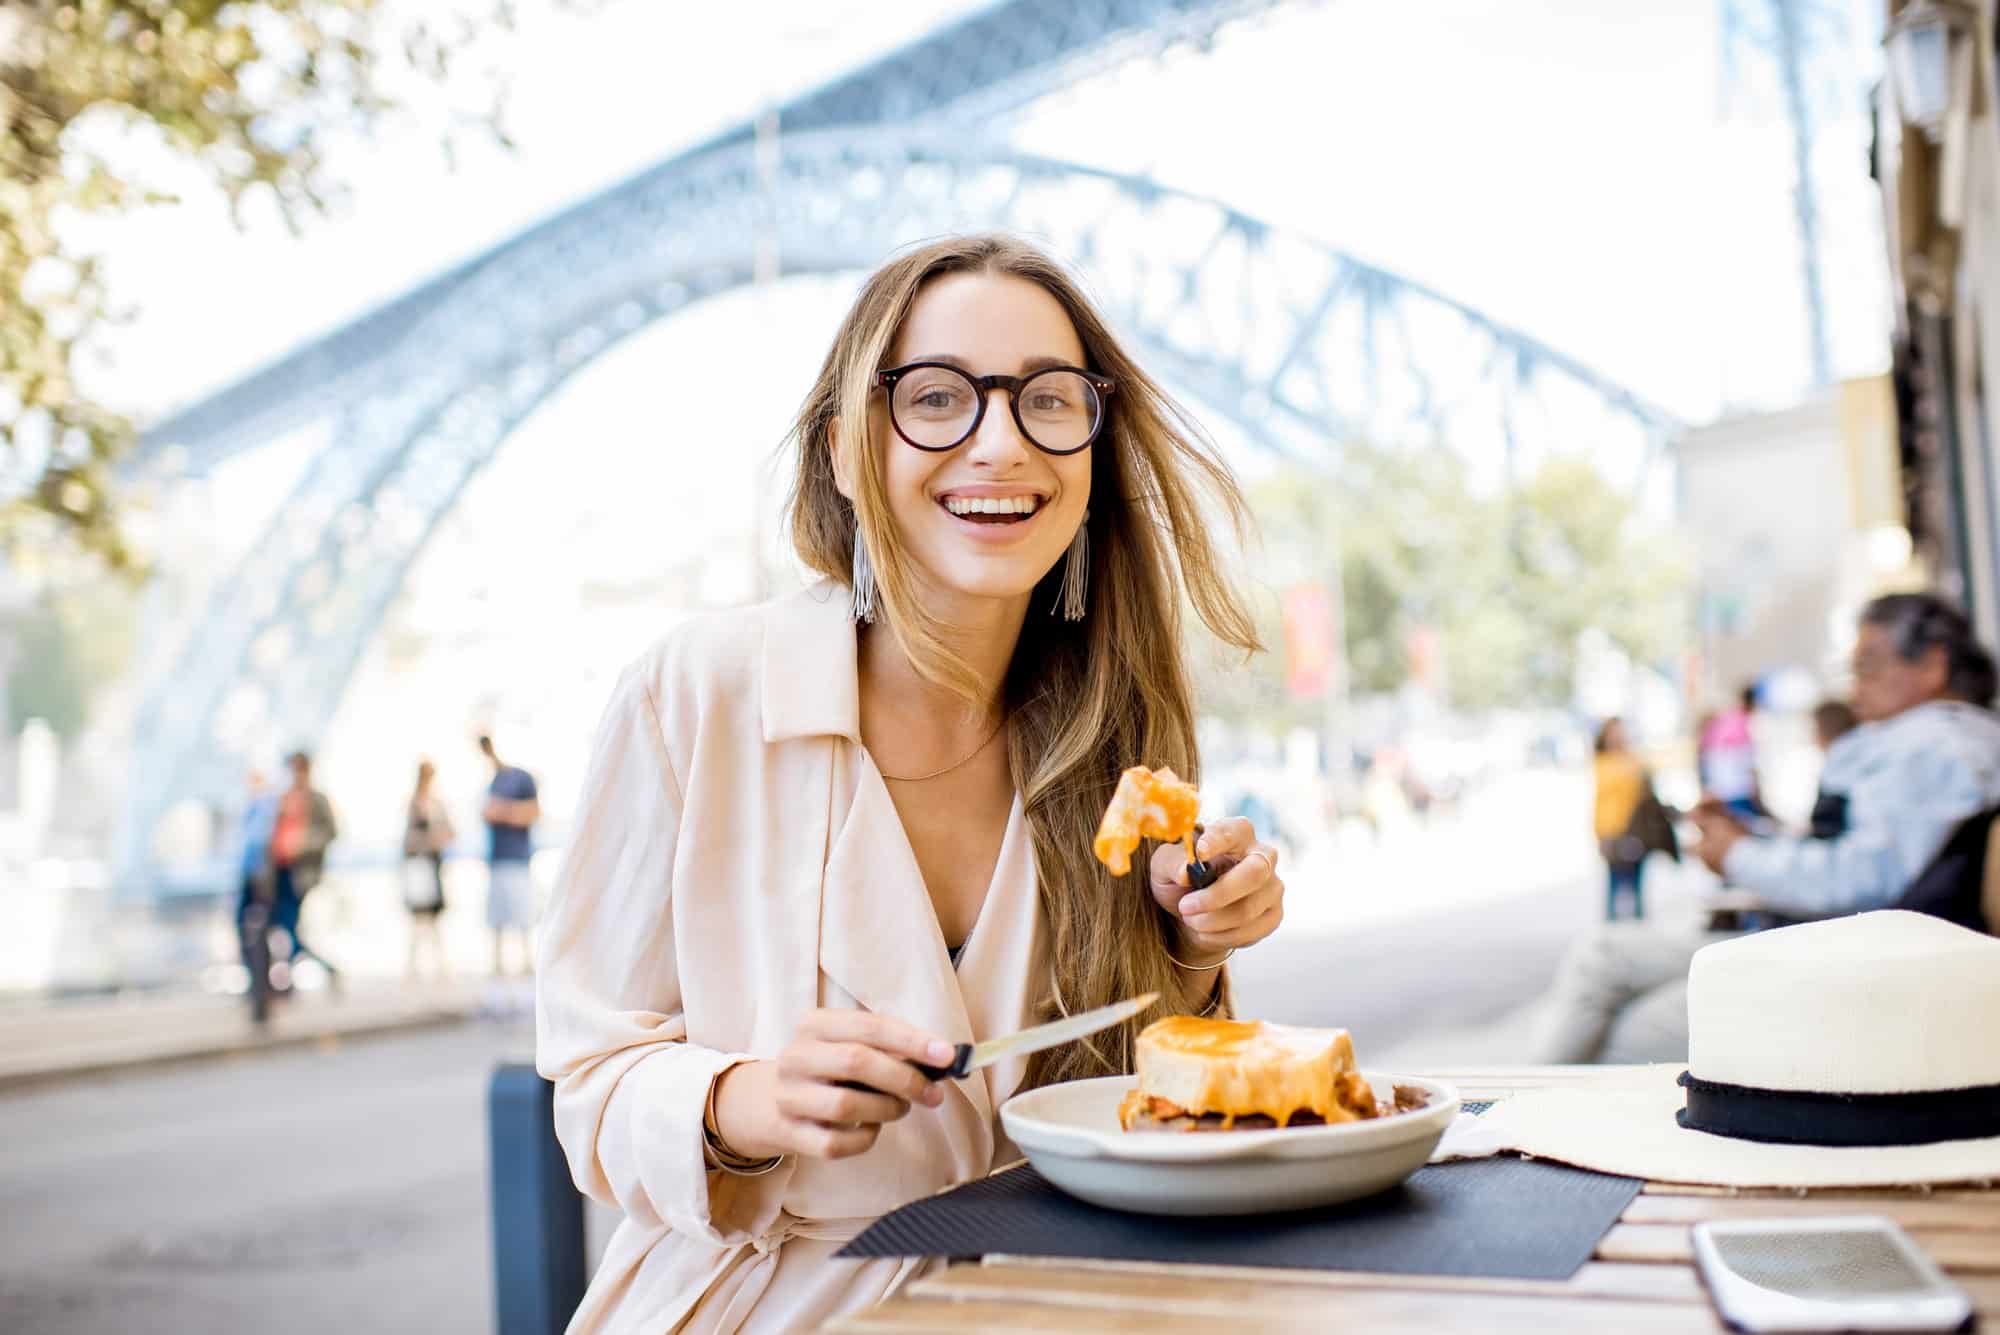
[(300, 835), (1727, 758), (1621, 786), (1252, 807), (254, 888), (427, 833), (1702, 722), (1384, 804), (512, 808)]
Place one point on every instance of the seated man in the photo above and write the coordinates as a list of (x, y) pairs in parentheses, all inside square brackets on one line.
[(1926, 759)]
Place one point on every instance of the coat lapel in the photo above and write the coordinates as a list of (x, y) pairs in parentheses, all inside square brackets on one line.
[(1002, 972), (878, 932)]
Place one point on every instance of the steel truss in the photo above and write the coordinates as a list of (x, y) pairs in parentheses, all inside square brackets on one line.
[(1296, 344)]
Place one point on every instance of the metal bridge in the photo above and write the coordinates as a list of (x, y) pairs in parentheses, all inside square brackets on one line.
[(1296, 343)]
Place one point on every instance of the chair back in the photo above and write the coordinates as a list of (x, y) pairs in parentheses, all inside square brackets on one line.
[(1962, 883)]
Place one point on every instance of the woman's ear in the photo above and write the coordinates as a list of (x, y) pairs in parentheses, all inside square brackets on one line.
[(843, 478)]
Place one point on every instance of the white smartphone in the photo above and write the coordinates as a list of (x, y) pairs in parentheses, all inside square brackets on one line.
[(1859, 1273)]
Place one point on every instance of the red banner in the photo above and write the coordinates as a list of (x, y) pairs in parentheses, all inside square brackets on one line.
[(1309, 640)]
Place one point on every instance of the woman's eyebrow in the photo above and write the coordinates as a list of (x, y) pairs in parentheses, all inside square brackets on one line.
[(1029, 365)]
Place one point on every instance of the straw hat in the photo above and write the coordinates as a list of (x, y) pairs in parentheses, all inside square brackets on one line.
[(1861, 1051)]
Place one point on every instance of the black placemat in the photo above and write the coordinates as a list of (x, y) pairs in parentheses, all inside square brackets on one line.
[(1515, 1218)]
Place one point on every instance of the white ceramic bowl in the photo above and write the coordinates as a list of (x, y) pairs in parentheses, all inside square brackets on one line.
[(1070, 1133)]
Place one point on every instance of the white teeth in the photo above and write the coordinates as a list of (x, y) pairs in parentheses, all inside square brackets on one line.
[(992, 505)]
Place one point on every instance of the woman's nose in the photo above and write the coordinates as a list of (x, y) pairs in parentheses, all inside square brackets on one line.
[(998, 440)]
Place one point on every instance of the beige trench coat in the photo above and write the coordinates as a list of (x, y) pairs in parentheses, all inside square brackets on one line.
[(735, 861)]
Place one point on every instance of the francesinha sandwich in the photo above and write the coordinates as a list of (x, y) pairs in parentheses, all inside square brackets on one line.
[(1219, 1075)]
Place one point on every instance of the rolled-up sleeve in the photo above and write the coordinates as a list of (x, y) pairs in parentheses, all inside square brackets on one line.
[(1899, 815), (630, 1090)]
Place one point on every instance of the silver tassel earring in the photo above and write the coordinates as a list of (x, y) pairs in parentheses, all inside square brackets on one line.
[(1076, 573), (862, 583)]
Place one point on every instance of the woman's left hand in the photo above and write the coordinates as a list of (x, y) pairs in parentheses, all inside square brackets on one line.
[(1239, 908)]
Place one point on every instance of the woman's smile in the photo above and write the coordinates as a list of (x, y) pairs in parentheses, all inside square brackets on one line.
[(993, 514)]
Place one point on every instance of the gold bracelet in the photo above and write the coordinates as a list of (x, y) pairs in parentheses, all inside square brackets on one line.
[(728, 1160), (750, 1168), (1201, 968)]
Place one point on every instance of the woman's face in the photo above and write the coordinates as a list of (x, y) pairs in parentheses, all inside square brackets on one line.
[(987, 324)]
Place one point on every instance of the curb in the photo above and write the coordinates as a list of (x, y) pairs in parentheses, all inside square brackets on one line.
[(212, 1049)]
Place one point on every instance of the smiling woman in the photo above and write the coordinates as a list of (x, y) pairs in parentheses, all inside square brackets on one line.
[(1009, 511), (831, 836)]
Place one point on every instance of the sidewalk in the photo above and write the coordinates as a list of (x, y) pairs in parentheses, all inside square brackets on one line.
[(47, 1042)]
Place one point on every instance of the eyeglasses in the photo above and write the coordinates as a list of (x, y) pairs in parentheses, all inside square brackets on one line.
[(935, 406)]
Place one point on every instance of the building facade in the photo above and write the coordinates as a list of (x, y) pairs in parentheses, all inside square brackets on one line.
[(1778, 582), (1937, 158)]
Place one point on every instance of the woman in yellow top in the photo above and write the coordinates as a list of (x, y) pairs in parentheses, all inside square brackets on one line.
[(1621, 786), (851, 827)]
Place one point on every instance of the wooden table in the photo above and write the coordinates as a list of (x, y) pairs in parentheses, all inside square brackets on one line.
[(1641, 1280)]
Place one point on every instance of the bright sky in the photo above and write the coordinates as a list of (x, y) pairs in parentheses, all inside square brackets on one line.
[(1559, 163)]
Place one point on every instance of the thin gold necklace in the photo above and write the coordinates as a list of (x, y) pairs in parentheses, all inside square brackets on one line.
[(898, 778)]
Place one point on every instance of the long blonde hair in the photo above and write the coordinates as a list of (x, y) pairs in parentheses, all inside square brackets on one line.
[(1086, 698)]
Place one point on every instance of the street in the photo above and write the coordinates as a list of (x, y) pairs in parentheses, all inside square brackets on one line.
[(331, 1189), (343, 1187)]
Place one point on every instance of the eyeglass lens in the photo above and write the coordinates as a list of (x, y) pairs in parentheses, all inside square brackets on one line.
[(936, 406)]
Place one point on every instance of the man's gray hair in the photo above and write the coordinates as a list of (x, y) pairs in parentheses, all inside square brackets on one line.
[(1920, 622)]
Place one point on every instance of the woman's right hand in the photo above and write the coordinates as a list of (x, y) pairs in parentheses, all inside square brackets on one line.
[(797, 1104)]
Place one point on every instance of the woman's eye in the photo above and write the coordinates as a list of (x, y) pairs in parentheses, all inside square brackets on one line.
[(935, 398), (1047, 403)]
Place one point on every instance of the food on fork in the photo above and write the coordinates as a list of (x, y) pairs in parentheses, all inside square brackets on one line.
[(1148, 804), (1200, 1074)]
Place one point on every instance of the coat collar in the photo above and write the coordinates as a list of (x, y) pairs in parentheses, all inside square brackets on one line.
[(811, 685)]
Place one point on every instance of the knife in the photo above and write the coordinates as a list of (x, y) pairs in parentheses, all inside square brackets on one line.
[(971, 1056)]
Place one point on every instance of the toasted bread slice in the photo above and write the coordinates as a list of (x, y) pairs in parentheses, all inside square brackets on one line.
[(1242, 1073)]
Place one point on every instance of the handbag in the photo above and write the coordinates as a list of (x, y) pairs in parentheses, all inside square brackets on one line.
[(421, 891), (1652, 827)]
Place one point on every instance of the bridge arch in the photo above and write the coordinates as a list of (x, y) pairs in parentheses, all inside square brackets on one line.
[(1297, 343)]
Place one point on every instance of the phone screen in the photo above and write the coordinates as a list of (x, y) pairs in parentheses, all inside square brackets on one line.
[(1828, 1267)]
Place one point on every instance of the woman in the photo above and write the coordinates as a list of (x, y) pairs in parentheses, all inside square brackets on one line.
[(825, 836), (427, 833), (1726, 758), (1622, 788)]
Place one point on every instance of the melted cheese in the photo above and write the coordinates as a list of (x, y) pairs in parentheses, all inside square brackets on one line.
[(1146, 805), (1241, 1068)]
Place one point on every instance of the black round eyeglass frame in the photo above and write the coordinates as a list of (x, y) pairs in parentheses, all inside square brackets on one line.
[(985, 385)]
